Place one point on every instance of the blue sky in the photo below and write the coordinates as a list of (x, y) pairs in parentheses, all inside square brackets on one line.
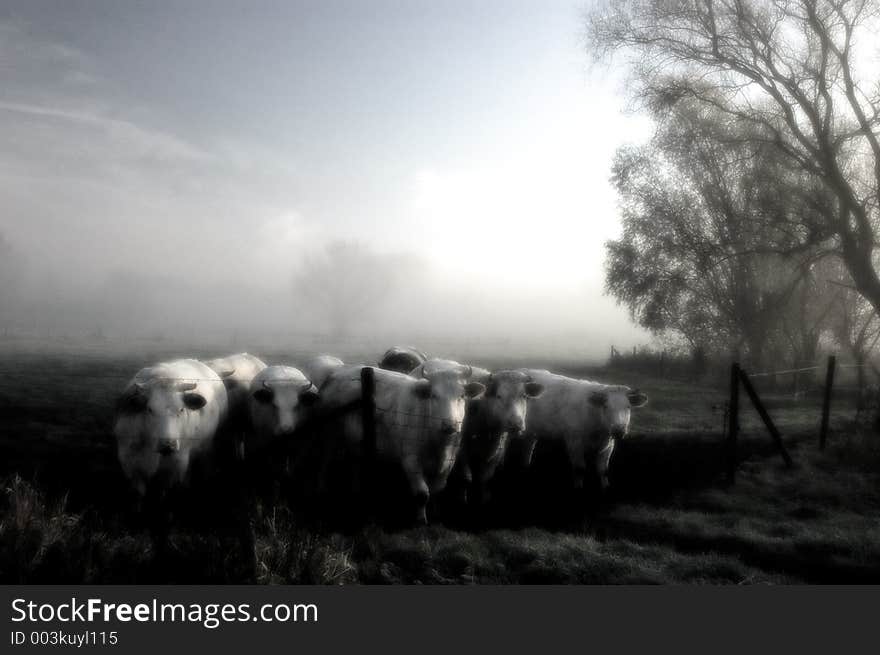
[(228, 140)]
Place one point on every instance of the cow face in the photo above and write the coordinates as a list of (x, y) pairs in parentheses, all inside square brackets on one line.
[(506, 401), (164, 413), (613, 406), (445, 394), (155, 424), (278, 406)]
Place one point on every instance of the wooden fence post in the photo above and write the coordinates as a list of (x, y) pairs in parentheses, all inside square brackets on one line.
[(733, 422), (368, 413), (367, 499), (768, 423), (826, 403)]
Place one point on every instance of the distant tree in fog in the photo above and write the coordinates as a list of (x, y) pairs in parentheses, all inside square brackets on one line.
[(792, 71), (345, 285)]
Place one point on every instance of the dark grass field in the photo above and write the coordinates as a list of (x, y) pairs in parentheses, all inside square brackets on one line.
[(65, 511)]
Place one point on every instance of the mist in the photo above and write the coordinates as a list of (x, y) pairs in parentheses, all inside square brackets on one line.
[(238, 180)]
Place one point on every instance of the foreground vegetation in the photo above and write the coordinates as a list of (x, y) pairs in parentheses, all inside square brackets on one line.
[(817, 523)]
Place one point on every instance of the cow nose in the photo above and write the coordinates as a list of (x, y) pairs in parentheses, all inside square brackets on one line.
[(618, 433), (168, 446), (447, 428), (516, 427)]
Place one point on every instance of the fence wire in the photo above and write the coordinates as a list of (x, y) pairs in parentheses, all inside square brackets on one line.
[(784, 372)]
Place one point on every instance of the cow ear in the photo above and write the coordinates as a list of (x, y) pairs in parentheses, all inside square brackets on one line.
[(422, 389), (310, 396), (598, 399), (637, 398), (227, 373), (194, 400), (474, 389), (534, 389), (263, 395)]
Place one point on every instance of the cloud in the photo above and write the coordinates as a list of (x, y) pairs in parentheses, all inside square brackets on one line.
[(124, 136)]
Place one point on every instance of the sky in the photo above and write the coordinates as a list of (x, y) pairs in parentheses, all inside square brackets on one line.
[(183, 161)]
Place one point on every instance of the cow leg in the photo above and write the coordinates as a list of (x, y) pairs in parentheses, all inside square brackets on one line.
[(420, 495), (596, 508), (235, 514), (159, 528), (577, 454), (247, 539), (240, 447), (579, 474), (462, 479), (603, 464)]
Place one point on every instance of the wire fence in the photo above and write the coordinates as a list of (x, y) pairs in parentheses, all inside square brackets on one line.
[(784, 372), (697, 413)]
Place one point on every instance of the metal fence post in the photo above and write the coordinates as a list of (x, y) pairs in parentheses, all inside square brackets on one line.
[(826, 404)]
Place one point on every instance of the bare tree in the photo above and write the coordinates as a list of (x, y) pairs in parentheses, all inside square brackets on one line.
[(787, 67), (697, 251), (808, 314), (854, 325)]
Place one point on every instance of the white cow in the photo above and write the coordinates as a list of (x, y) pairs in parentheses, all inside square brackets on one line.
[(237, 372), (318, 368), (418, 421), (167, 415), (280, 399), (588, 417), (402, 359), (491, 421)]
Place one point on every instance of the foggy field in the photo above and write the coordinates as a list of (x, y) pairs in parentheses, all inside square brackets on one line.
[(65, 507)]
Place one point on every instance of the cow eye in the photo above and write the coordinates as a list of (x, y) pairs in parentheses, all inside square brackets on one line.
[(194, 400), (134, 404), (263, 395)]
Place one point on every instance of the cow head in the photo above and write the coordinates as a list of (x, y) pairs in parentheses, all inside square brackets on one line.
[(229, 379), (613, 406), (506, 401), (279, 403), (445, 391), (156, 420)]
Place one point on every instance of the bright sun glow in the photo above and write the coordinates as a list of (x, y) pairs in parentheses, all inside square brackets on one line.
[(542, 213)]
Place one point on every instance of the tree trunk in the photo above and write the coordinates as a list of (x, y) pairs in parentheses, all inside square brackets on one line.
[(859, 264)]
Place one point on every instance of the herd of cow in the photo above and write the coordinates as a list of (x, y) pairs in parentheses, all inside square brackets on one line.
[(434, 420)]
